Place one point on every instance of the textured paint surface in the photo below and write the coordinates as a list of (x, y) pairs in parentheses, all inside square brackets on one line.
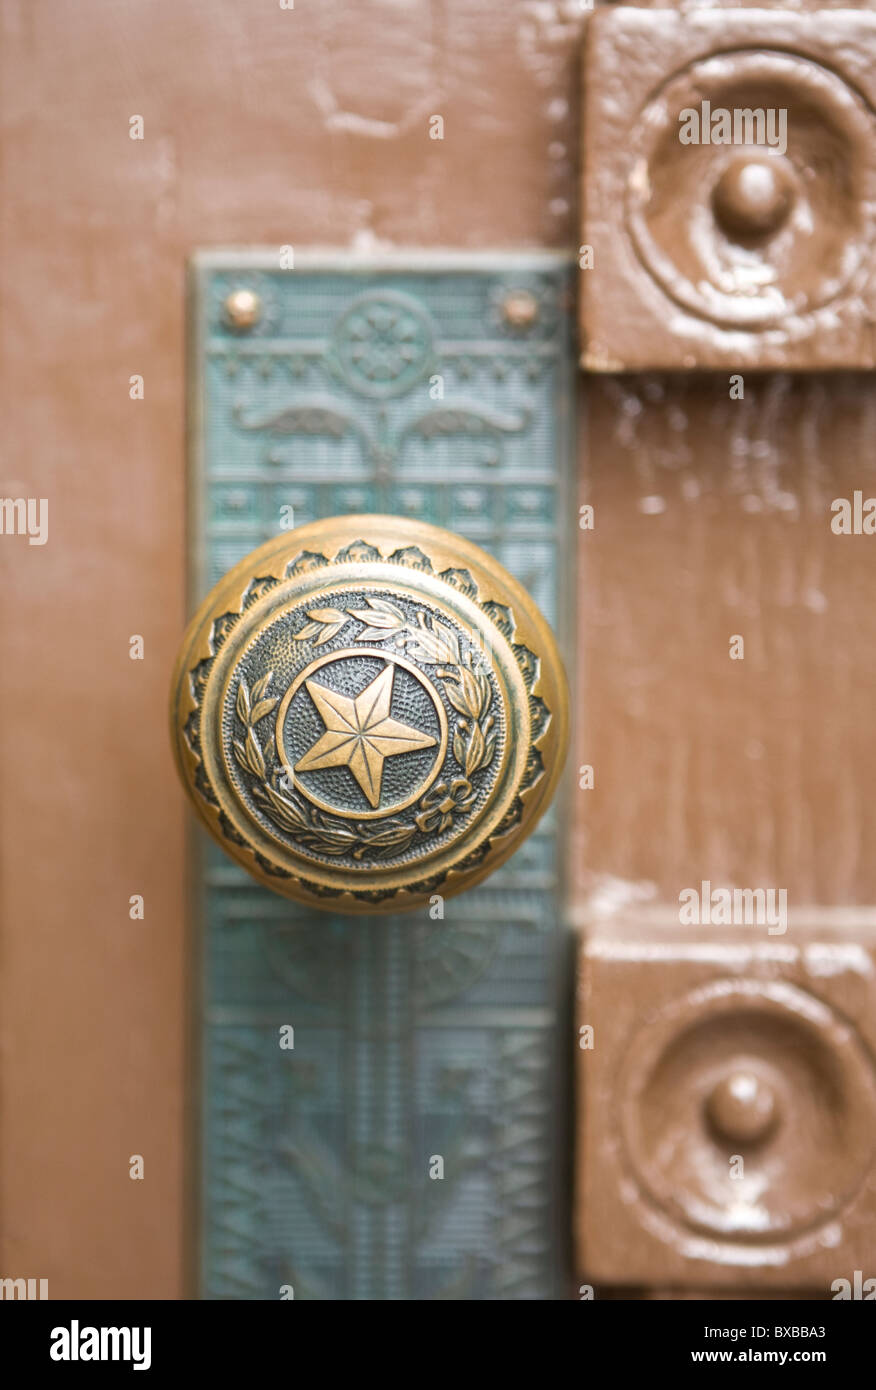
[(414, 1038), (259, 127), (713, 519)]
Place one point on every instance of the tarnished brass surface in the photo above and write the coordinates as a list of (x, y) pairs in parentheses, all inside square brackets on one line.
[(367, 711)]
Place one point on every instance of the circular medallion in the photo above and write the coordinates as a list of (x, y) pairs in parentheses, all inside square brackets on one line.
[(383, 343), (777, 182), (373, 708), (748, 1111), (367, 711)]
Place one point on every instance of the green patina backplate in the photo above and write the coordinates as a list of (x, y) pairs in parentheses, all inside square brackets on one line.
[(410, 386)]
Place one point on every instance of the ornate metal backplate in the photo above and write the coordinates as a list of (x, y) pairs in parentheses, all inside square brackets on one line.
[(434, 388)]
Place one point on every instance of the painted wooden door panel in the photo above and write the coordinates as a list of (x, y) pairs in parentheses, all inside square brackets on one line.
[(311, 128)]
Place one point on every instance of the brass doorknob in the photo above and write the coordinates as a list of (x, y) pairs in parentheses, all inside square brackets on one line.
[(367, 711)]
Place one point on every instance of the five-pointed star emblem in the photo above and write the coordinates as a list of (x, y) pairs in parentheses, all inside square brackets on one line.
[(360, 733)]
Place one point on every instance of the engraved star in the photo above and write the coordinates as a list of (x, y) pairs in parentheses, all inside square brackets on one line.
[(360, 734)]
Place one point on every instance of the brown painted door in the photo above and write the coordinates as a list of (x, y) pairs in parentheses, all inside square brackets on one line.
[(262, 126), (711, 520)]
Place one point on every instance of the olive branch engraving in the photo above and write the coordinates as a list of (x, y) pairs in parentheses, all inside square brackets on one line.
[(252, 708), (324, 624)]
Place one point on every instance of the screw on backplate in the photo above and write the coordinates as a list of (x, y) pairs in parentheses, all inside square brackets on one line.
[(520, 308), (243, 309)]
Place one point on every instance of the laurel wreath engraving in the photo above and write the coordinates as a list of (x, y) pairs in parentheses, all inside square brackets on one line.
[(473, 742), (252, 707)]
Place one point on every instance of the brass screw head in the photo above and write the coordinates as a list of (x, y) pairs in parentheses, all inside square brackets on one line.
[(243, 309), (520, 309)]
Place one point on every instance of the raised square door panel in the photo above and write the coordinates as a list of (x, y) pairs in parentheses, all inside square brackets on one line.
[(729, 186)]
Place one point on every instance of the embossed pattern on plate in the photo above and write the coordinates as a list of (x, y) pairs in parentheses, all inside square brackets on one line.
[(412, 1038)]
